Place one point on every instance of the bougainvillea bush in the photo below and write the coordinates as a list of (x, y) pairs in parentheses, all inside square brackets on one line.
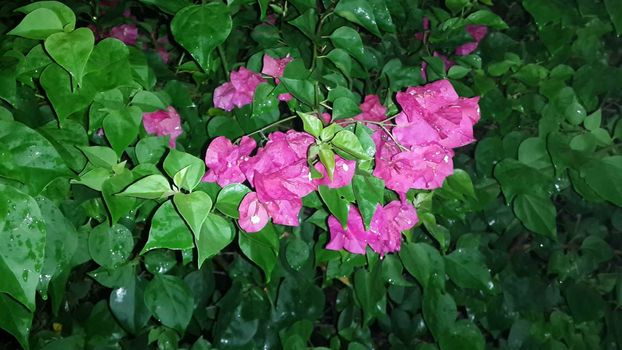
[(326, 174)]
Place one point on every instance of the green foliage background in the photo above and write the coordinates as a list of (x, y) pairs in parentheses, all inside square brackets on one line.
[(520, 249)]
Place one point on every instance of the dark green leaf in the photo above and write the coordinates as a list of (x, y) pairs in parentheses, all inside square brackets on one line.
[(216, 233), (537, 214), (168, 230), (360, 12), (170, 300), (229, 199)]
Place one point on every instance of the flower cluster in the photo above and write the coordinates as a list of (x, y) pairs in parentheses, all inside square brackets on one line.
[(163, 123), (239, 91), (414, 150), (418, 152)]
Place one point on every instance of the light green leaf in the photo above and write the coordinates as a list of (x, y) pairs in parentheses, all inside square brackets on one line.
[(311, 123), (15, 319), (347, 141), (168, 230), (71, 51), (359, 12), (369, 192), (194, 208), (216, 233), (150, 187), (64, 12), (229, 199), (110, 246), (175, 163), (38, 25), (121, 127)]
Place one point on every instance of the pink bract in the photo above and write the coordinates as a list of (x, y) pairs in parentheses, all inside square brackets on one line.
[(477, 32), (223, 159), (342, 176), (127, 33), (388, 223), (163, 123), (275, 67), (353, 238), (239, 91), (372, 109), (255, 214), (434, 112)]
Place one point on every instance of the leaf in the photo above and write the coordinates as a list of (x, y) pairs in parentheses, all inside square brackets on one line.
[(57, 85), (38, 25), (15, 319), (369, 192), (264, 100), (99, 156), (424, 262), (537, 214), (487, 18), (349, 40), (64, 12), (28, 157), (169, 6), (311, 124), (194, 208), (110, 246), (216, 233), (306, 23), (170, 300), (60, 245), (439, 311), (585, 303), (370, 292), (327, 158), (359, 12), (150, 149), (71, 51), (343, 108), (614, 8), (22, 231), (201, 28), (466, 268), (341, 59), (8, 87), (186, 169), (297, 253), (302, 89), (261, 248), (168, 230), (337, 205), (127, 304), (66, 141), (149, 187), (463, 335), (229, 199), (604, 177), (347, 141), (511, 174), (121, 127), (118, 206), (383, 15)]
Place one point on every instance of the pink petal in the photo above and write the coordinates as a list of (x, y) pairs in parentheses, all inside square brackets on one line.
[(253, 214), (353, 238), (127, 33), (342, 176), (285, 212)]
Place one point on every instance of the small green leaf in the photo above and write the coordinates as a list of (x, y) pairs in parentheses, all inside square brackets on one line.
[(168, 230), (176, 161), (614, 8), (605, 177), (110, 246), (369, 192), (150, 187), (347, 141), (349, 40), (311, 123), (344, 107), (487, 18), (458, 72), (537, 214), (327, 157), (121, 127), (337, 205), (359, 12), (170, 300), (99, 156), (194, 208), (64, 12), (262, 248), (216, 233), (466, 267), (439, 311), (229, 199), (264, 100), (341, 59)]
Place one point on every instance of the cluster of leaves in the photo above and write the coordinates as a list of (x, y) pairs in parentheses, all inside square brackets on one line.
[(111, 241)]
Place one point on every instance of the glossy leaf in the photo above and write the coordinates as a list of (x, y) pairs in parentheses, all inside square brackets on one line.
[(216, 233), (360, 12), (170, 301), (194, 208), (229, 199), (168, 230), (110, 246), (71, 51)]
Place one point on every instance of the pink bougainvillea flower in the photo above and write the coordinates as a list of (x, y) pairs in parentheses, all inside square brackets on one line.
[(223, 159), (326, 118), (239, 91), (275, 67), (127, 33), (435, 112), (279, 169), (353, 238), (161, 49), (387, 224), (423, 36), (477, 32), (289, 182), (446, 61), (432, 164), (372, 109), (342, 176), (254, 214), (163, 123)]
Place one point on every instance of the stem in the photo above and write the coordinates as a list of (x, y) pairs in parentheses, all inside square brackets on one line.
[(181, 58), (272, 124)]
